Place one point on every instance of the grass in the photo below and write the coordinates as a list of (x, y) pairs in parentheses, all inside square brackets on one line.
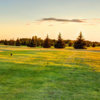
[(49, 74)]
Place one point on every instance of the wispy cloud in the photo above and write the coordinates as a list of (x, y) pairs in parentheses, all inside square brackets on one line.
[(62, 20), (93, 21)]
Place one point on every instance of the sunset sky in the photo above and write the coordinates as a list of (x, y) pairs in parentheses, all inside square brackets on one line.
[(26, 18)]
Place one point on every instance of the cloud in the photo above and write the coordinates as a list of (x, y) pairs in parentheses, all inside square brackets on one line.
[(62, 20), (93, 21)]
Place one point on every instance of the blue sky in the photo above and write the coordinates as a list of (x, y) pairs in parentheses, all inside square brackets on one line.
[(27, 11), (35, 9)]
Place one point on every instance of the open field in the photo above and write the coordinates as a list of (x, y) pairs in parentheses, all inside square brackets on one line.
[(49, 74)]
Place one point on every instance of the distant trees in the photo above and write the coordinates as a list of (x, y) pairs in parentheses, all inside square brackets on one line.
[(11, 42), (47, 43), (35, 41), (60, 43), (80, 42), (39, 42), (24, 41), (70, 44), (18, 42), (5, 42), (94, 44), (32, 42), (88, 43)]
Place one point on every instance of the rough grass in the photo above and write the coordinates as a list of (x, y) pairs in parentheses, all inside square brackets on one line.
[(49, 74)]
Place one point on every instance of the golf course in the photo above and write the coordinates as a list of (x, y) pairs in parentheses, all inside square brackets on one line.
[(49, 74)]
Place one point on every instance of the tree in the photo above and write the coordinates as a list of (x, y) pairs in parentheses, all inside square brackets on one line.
[(46, 43), (60, 43), (70, 43), (32, 42), (39, 42), (18, 42), (80, 42), (94, 44), (35, 40), (5, 42), (88, 43), (11, 42)]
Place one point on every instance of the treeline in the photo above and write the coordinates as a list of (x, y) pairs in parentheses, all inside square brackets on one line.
[(35, 41)]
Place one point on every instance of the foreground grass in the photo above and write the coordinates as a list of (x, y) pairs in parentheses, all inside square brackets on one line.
[(49, 74)]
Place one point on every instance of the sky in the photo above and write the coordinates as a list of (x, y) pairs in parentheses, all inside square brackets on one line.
[(26, 18)]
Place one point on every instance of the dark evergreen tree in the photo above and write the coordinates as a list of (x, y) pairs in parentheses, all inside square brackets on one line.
[(80, 42), (32, 43), (18, 42), (46, 43), (6, 42), (94, 44), (60, 43)]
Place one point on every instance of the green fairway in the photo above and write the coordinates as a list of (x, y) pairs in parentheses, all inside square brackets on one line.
[(49, 74)]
